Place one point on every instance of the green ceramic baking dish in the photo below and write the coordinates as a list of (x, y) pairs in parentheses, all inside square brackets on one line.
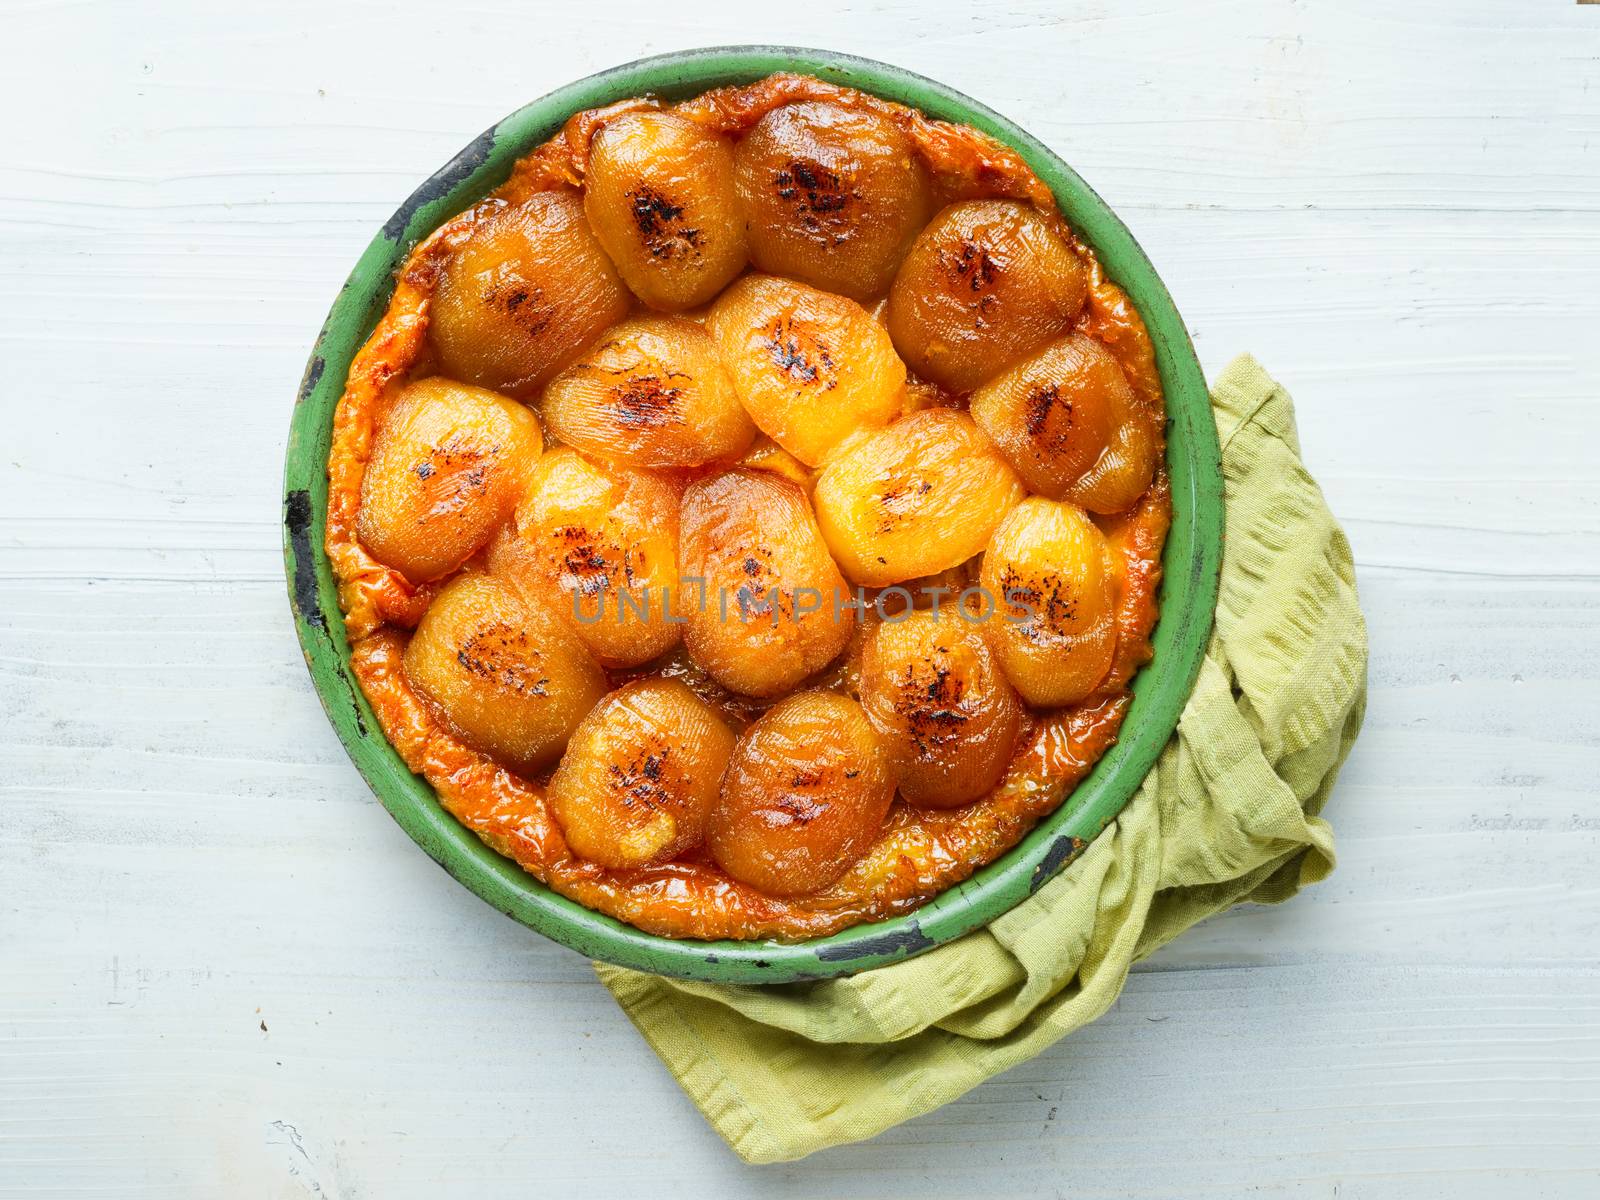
[(1188, 593)]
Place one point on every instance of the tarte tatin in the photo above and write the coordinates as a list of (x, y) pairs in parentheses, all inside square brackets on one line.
[(748, 518)]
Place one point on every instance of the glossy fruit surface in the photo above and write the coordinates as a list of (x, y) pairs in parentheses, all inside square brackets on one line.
[(831, 195), (915, 498), (1060, 418), (505, 673), (774, 607), (447, 465), (1054, 626), (932, 689), (810, 367), (987, 282), (652, 392), (597, 544), (640, 774), (524, 296), (660, 198), (805, 794)]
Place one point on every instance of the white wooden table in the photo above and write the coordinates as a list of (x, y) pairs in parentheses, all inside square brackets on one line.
[(225, 972)]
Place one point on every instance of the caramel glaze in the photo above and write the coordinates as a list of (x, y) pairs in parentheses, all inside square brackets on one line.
[(920, 852)]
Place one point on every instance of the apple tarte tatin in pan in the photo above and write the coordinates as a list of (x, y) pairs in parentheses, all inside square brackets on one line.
[(748, 518)]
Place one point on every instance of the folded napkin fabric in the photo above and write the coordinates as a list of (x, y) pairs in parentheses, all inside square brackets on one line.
[(1229, 814)]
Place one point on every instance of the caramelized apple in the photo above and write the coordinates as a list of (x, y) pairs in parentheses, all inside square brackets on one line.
[(915, 498), (809, 367), (505, 673), (660, 198), (1049, 581), (597, 544), (448, 463), (640, 774), (987, 282), (804, 797), (1066, 419), (931, 687), (524, 295), (831, 195), (1126, 466), (774, 607), (652, 392)]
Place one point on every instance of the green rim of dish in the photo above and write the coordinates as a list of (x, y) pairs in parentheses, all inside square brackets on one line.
[(1188, 592)]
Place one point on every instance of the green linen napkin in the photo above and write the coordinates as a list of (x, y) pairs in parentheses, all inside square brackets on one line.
[(1229, 814)]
